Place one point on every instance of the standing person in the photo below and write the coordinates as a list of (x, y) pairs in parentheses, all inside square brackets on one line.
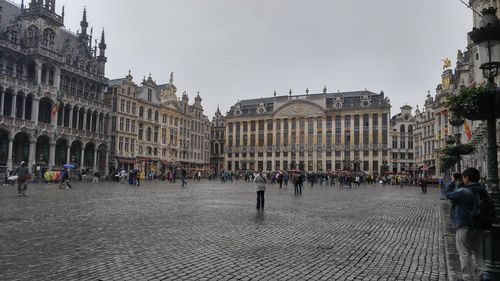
[(423, 185), (260, 186), (285, 179), (84, 175), (468, 240), (183, 174), (22, 177), (64, 179), (96, 177)]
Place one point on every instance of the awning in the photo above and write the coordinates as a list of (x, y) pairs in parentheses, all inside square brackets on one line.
[(148, 159), (125, 160)]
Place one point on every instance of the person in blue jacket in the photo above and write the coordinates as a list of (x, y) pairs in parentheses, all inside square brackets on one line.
[(468, 240)]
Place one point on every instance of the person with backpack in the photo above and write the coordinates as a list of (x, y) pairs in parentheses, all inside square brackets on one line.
[(22, 177), (465, 195), (65, 180)]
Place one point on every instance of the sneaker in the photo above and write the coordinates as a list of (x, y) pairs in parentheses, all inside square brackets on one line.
[(24, 194)]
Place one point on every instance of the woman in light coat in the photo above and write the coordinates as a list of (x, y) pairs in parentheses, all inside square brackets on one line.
[(260, 186)]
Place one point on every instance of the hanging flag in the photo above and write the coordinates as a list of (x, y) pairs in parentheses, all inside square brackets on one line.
[(467, 130), (55, 109), (57, 105)]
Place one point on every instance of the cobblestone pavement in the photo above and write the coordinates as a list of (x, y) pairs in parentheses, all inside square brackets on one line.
[(210, 231)]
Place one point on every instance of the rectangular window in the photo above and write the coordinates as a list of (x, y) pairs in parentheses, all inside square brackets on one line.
[(122, 105), (126, 144), (127, 125), (375, 129), (122, 120), (128, 106), (150, 95)]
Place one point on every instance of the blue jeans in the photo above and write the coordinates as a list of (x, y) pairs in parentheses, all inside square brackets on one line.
[(260, 200)]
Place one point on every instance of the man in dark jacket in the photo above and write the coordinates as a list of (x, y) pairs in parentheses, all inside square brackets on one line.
[(22, 177), (468, 239)]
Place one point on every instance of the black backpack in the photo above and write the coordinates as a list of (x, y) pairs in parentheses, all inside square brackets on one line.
[(483, 211)]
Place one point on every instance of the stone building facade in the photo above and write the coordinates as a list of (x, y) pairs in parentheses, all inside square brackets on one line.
[(217, 131), (402, 137), (52, 87), (313, 132), (154, 130)]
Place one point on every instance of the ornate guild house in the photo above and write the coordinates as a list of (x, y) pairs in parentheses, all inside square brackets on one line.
[(311, 132), (52, 86)]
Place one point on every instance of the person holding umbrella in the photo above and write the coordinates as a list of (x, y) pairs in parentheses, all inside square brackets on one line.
[(64, 179)]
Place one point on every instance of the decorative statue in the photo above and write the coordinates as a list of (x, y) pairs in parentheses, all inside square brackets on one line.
[(171, 77), (460, 55), (446, 63)]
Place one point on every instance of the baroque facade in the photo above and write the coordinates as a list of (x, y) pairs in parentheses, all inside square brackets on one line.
[(432, 124), (52, 87), (313, 132), (154, 130), (403, 150), (217, 131)]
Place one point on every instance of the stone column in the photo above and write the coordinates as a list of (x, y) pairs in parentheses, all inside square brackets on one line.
[(35, 110), (82, 154), (70, 123), (14, 105), (323, 142), (106, 164), (315, 141), (32, 157), (305, 144), (78, 120), (9, 154), (94, 168), (264, 155), (63, 117), (38, 72), (224, 151), (85, 120), (52, 155), (68, 154), (24, 108), (57, 77), (273, 152), (370, 142), (2, 100)]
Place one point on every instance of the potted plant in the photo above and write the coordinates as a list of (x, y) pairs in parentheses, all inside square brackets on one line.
[(475, 103)]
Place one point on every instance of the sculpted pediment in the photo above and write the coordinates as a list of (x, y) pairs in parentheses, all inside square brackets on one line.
[(299, 109)]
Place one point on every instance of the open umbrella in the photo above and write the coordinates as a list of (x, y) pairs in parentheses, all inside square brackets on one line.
[(69, 166)]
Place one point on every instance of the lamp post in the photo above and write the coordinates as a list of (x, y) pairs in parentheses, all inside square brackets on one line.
[(487, 39), (457, 123)]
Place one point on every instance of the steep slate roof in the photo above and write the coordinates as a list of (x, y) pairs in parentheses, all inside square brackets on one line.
[(351, 100)]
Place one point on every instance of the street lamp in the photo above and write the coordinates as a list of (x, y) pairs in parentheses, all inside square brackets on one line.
[(487, 39), (457, 123)]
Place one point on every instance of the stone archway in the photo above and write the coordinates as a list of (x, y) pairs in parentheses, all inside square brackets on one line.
[(4, 147), (20, 101), (42, 150), (101, 159), (88, 158), (45, 111), (29, 107), (76, 153), (61, 155), (7, 102), (21, 148)]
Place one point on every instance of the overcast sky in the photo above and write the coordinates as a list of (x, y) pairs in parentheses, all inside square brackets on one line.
[(235, 49)]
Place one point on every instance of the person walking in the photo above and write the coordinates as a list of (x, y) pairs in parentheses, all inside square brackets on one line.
[(64, 179), (260, 186), (22, 178), (183, 174), (468, 239), (423, 185), (96, 177)]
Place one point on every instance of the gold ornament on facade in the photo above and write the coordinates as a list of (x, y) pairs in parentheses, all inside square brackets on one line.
[(446, 63)]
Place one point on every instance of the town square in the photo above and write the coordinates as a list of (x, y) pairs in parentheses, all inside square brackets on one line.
[(249, 140)]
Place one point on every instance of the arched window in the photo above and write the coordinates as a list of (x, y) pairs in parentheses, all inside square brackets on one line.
[(402, 129), (32, 36), (148, 134), (410, 129), (141, 112), (157, 116), (13, 36), (48, 38)]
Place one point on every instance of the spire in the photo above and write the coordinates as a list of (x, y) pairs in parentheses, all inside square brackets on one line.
[(22, 4), (84, 24), (171, 78), (62, 13), (102, 44)]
